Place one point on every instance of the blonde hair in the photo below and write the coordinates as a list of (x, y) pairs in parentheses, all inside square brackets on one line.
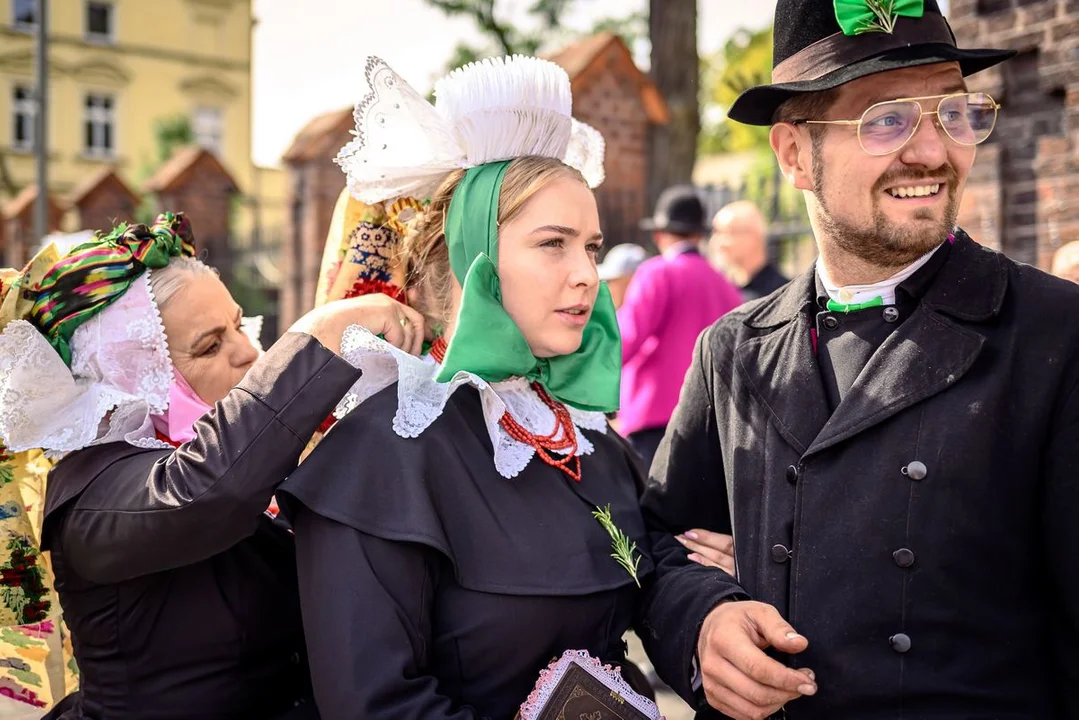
[(167, 281), (425, 253)]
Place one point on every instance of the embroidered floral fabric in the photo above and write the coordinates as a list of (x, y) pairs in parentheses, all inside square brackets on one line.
[(37, 666)]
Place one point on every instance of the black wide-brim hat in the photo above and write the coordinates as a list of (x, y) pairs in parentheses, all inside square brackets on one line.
[(811, 51), (678, 210)]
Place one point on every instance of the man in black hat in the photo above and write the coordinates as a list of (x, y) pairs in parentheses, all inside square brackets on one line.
[(669, 301), (892, 438)]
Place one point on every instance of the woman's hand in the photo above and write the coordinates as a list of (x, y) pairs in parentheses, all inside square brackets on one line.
[(709, 548), (399, 324)]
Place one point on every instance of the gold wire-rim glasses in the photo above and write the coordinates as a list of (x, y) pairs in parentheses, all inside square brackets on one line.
[(985, 100)]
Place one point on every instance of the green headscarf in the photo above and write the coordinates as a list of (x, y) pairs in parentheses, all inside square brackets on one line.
[(486, 341)]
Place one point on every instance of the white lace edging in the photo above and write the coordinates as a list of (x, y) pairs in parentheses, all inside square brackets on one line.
[(120, 374), (421, 399), (611, 677)]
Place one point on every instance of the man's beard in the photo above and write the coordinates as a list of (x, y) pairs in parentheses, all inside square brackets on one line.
[(882, 242)]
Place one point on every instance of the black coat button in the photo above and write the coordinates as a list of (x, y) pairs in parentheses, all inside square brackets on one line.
[(295, 658), (780, 553), (792, 474), (890, 314), (916, 470), (900, 642), (904, 558), (830, 322)]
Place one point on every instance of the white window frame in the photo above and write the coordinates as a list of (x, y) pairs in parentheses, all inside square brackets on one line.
[(99, 117), (24, 106), (98, 38), (208, 126), (23, 26)]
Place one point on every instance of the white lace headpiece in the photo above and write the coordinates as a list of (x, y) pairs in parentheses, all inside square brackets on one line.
[(404, 146), (120, 375)]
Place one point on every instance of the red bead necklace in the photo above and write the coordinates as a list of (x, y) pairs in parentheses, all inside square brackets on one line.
[(544, 445)]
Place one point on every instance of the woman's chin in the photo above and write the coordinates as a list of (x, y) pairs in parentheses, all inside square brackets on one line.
[(562, 344)]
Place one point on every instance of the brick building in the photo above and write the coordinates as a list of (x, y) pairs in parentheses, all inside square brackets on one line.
[(103, 200), (194, 180), (611, 94), (315, 182), (17, 239), (1023, 195)]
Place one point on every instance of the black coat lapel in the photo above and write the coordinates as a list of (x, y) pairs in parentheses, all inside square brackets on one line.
[(925, 355), (929, 352), (780, 367)]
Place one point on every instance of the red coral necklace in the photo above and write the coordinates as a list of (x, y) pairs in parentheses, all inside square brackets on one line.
[(544, 445)]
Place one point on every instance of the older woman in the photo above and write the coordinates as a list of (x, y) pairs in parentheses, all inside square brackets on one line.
[(489, 521), (179, 587)]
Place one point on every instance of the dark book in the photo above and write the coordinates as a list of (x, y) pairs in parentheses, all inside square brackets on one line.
[(578, 687)]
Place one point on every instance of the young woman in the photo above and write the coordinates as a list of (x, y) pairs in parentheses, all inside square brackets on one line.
[(488, 522)]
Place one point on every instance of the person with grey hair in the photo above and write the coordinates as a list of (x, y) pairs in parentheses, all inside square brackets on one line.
[(127, 358), (739, 245)]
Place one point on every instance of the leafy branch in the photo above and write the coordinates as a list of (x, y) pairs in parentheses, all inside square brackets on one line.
[(623, 547)]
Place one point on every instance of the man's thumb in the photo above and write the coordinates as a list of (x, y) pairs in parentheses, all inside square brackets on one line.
[(777, 632)]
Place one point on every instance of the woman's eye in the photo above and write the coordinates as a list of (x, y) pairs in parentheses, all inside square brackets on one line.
[(553, 242), (212, 349), (594, 248)]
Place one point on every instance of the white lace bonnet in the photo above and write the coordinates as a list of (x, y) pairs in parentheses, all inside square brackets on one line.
[(120, 375), (404, 146)]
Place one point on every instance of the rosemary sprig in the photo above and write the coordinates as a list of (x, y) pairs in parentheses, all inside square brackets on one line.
[(623, 547), (884, 10)]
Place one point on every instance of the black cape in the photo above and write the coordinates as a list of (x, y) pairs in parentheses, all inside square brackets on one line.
[(433, 587)]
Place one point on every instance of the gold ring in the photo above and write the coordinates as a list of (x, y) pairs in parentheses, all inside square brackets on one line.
[(404, 322)]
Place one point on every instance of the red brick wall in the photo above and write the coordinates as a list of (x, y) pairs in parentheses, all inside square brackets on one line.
[(104, 207), (607, 98), (315, 186), (1030, 168), (206, 198)]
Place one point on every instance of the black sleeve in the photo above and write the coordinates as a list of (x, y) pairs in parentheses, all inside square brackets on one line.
[(367, 619), (152, 511), (1060, 509), (687, 489)]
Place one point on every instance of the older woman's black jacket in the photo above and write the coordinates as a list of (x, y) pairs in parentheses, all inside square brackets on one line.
[(179, 590)]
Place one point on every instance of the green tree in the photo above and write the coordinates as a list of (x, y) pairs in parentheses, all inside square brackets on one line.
[(744, 61)]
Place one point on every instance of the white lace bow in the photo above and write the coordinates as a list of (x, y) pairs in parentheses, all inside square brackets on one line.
[(497, 109), (421, 399)]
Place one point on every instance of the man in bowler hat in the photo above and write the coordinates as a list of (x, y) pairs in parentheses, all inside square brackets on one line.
[(893, 437), (670, 300)]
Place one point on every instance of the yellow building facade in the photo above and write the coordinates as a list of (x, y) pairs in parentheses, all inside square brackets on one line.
[(117, 68)]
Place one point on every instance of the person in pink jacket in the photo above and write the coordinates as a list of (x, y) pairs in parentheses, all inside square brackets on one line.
[(671, 299)]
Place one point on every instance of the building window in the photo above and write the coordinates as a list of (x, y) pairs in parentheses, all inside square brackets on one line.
[(99, 22), (100, 125), (24, 107), (25, 14), (208, 126)]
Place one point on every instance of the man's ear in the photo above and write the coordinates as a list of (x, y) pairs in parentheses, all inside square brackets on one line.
[(793, 148)]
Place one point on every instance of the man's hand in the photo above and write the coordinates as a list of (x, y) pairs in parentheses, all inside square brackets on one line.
[(740, 680), (709, 548), (399, 324)]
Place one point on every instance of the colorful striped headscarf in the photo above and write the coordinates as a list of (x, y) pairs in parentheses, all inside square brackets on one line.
[(93, 275)]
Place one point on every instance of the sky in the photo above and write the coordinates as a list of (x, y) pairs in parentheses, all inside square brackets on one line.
[(307, 53)]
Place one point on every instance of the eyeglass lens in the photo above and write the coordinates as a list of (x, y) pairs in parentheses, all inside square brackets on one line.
[(968, 119)]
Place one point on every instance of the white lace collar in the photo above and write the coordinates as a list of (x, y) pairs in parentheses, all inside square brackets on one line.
[(421, 399)]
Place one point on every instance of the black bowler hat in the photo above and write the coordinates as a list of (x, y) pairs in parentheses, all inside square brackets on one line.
[(821, 44), (678, 210)]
